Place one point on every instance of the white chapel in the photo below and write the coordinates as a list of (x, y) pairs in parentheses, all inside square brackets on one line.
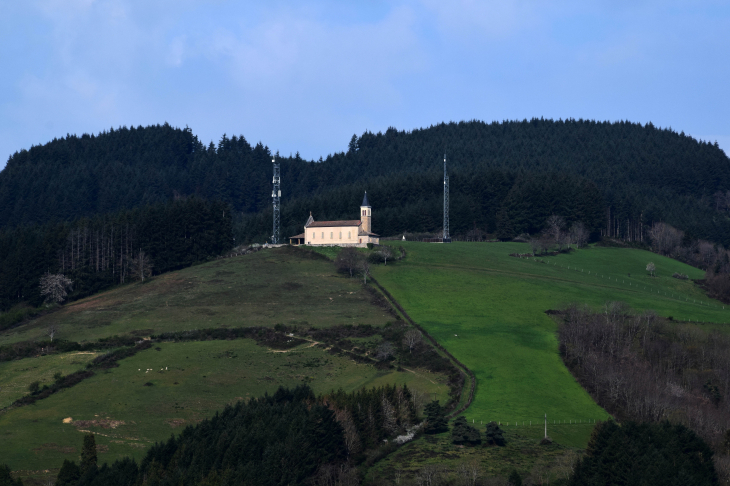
[(339, 233)]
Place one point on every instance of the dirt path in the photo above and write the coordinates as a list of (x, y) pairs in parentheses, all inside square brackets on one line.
[(314, 343)]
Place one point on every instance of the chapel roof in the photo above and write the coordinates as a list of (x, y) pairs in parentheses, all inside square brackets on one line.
[(324, 224), (365, 202)]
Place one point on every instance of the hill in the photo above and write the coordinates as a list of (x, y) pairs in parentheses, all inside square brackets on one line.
[(486, 307), (489, 310), (186, 376), (641, 174)]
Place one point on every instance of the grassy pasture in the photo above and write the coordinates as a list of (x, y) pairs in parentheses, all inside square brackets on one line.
[(522, 453), (283, 285), (190, 382), (488, 309), (15, 376)]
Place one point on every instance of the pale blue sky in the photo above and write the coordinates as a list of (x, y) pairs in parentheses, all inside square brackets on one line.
[(307, 75)]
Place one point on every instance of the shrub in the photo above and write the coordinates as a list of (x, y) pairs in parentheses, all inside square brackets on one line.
[(463, 433), (494, 435), (34, 387)]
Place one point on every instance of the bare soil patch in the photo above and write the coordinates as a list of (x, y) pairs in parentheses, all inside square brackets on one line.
[(103, 423)]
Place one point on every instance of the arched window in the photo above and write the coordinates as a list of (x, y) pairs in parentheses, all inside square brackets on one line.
[(363, 212), (314, 235), (340, 234), (323, 235), (331, 236), (349, 235)]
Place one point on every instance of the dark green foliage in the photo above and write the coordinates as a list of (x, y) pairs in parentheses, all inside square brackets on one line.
[(273, 440), (98, 253), (69, 474), (494, 435), (374, 414), (88, 454), (463, 433), (514, 478), (645, 454), (34, 387), (566, 166), (6, 478), (435, 418)]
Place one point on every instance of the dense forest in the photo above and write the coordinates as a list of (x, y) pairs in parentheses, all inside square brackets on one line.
[(644, 368), (290, 437), (635, 175), (644, 454), (96, 253)]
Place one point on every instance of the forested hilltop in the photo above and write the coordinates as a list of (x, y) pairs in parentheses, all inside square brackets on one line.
[(505, 178)]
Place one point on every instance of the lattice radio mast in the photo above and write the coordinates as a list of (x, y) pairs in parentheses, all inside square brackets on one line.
[(446, 237), (276, 196)]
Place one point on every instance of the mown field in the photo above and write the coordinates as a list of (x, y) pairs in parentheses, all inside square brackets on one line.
[(285, 285), (488, 309)]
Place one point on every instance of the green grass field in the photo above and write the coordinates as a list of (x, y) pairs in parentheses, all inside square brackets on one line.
[(283, 285), (488, 309), (522, 452), (190, 382), (15, 376)]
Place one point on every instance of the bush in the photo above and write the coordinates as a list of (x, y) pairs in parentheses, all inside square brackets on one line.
[(34, 387), (494, 435), (463, 433)]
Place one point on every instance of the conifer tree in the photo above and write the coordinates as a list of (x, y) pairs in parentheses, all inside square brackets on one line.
[(88, 454), (6, 478), (435, 418)]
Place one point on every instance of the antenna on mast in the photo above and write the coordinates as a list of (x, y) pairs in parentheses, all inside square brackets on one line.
[(276, 197), (446, 237)]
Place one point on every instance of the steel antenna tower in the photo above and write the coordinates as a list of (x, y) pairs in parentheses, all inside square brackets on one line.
[(446, 237), (276, 197)]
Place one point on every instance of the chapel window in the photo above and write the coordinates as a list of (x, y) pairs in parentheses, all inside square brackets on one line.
[(323, 235), (340, 234), (331, 237)]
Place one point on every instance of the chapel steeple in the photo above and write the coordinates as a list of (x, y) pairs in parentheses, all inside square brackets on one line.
[(366, 214)]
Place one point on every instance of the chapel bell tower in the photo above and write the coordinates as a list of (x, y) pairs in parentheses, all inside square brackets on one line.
[(365, 214)]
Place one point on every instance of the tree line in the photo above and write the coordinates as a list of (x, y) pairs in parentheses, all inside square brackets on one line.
[(643, 368), (99, 252), (643, 175), (290, 437), (491, 201)]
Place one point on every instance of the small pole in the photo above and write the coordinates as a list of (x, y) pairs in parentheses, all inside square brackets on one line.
[(546, 425)]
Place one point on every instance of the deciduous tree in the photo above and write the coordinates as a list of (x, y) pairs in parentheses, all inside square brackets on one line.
[(54, 287)]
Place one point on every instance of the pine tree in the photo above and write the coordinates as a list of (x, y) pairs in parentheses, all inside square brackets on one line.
[(69, 474), (6, 478), (435, 418), (88, 454)]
